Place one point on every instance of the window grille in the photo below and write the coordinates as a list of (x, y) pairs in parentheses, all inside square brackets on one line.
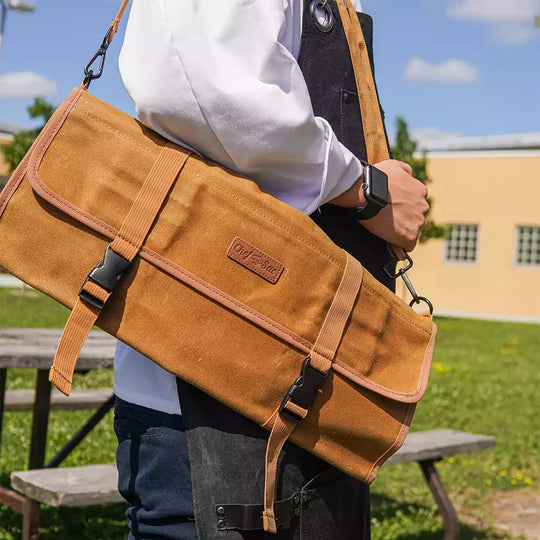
[(461, 244), (528, 246)]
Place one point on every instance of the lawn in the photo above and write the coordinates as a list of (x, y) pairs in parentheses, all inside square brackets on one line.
[(485, 379)]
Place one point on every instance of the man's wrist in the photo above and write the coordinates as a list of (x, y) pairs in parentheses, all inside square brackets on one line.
[(353, 197)]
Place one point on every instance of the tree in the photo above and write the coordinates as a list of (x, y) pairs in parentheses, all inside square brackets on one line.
[(404, 150), (16, 149)]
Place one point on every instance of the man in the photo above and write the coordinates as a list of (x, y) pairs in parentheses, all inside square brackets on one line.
[(266, 88)]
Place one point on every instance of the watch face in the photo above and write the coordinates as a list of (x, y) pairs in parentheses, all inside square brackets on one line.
[(377, 186)]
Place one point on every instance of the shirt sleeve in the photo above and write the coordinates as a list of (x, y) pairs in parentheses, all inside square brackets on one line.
[(216, 76)]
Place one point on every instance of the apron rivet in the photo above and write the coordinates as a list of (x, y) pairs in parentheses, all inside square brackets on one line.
[(318, 6)]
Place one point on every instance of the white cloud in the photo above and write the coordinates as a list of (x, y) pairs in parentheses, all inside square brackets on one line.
[(451, 71), (513, 33), (511, 21), (495, 10), (25, 85)]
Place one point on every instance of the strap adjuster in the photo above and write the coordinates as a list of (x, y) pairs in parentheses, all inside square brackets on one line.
[(304, 390), (106, 274)]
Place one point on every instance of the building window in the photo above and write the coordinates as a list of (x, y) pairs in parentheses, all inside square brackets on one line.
[(461, 244), (528, 246)]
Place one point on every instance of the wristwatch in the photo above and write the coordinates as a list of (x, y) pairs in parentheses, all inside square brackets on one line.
[(375, 188)]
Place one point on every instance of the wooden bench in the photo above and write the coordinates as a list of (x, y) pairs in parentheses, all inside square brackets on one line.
[(23, 400), (97, 484), (66, 486)]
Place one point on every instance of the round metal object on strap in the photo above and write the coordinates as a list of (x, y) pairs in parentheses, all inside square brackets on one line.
[(326, 24), (419, 299)]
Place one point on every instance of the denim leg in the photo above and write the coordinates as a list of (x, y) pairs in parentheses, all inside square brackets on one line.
[(154, 473)]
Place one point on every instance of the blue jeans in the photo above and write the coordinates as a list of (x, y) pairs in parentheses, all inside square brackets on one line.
[(154, 473)]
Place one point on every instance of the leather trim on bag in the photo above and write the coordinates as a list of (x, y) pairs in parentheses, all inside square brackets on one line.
[(57, 119), (396, 445), (13, 183), (255, 260), (41, 146)]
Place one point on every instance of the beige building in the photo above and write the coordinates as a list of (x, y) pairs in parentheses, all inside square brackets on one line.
[(487, 189)]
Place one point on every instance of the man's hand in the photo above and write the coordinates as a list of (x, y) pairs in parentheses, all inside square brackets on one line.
[(401, 221)]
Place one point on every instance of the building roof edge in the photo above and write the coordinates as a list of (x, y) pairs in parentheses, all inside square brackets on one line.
[(489, 142)]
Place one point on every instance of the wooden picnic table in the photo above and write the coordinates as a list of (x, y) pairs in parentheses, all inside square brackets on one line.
[(34, 349)]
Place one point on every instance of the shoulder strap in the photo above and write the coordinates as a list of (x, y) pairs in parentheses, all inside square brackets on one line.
[(374, 134), (113, 28), (370, 109)]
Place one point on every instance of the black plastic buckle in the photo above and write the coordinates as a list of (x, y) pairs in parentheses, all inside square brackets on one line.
[(106, 274), (304, 390)]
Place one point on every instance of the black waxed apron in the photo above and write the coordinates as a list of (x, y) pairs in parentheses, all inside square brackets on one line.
[(226, 450), (326, 65)]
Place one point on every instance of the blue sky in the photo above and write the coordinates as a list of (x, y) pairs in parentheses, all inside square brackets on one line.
[(448, 66)]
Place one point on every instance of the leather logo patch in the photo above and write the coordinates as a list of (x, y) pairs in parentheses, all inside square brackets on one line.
[(255, 260)]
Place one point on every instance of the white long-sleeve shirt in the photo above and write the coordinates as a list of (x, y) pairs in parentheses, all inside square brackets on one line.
[(221, 77)]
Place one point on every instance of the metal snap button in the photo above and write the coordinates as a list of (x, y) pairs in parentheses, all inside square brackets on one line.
[(220, 511), (322, 15)]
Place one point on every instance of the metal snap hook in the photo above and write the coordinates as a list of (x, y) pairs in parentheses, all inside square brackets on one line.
[(328, 23), (419, 299)]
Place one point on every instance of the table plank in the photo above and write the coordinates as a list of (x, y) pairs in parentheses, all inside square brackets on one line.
[(424, 445), (71, 486), (23, 400), (35, 348)]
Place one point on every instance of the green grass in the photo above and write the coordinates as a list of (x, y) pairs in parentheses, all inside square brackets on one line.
[(485, 379), (30, 309)]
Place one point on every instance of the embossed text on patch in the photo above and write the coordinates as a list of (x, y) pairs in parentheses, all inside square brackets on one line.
[(255, 260)]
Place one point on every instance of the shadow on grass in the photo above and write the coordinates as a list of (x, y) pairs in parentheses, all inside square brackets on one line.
[(105, 522), (385, 508)]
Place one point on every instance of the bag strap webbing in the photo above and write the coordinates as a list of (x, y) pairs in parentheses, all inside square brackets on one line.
[(122, 250), (374, 134), (113, 28), (319, 363), (370, 109)]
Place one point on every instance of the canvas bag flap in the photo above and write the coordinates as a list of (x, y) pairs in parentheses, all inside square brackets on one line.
[(359, 360)]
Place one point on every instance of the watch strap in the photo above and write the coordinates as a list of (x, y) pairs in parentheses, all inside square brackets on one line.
[(368, 211)]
